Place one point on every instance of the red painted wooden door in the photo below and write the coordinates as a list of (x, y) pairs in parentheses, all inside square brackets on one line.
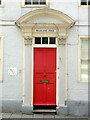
[(44, 84)]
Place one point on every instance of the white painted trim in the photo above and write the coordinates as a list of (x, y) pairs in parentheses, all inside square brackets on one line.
[(46, 46), (57, 79), (2, 45), (23, 75), (66, 87), (32, 77), (79, 56), (2, 3), (86, 6)]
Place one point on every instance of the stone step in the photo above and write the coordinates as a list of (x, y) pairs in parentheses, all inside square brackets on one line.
[(44, 111)]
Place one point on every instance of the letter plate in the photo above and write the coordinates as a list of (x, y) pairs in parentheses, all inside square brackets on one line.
[(44, 81)]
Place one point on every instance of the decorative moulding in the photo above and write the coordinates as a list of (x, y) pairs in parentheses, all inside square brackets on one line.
[(27, 40), (31, 30), (62, 41), (39, 12)]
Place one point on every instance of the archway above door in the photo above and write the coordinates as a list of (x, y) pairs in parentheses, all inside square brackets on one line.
[(39, 12), (47, 22)]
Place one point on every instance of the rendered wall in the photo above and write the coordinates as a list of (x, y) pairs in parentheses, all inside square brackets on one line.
[(13, 49)]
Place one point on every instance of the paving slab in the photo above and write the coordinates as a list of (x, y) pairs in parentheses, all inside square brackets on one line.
[(0, 116), (6, 115), (60, 116), (38, 116), (48, 116), (16, 116), (41, 116), (27, 116)]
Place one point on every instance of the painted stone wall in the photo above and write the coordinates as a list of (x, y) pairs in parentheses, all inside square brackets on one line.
[(12, 85), (13, 49), (76, 90)]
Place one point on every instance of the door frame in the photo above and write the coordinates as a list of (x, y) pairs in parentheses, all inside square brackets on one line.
[(45, 46)]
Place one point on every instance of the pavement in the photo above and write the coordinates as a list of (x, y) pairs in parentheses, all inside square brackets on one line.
[(48, 116)]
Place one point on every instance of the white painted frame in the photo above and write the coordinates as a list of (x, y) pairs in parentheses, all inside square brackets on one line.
[(57, 79), (46, 46), (23, 77), (66, 82), (79, 56), (2, 3), (83, 5), (1, 78), (28, 6)]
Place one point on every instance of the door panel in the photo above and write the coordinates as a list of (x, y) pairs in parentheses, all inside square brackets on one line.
[(44, 84), (39, 92), (50, 93)]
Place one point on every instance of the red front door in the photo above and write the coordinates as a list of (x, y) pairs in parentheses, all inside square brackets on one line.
[(44, 92)]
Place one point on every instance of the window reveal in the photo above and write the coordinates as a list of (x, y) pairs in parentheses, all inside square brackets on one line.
[(1, 58), (37, 40), (42, 2), (35, 2), (27, 2), (52, 40), (85, 60), (45, 40), (85, 2)]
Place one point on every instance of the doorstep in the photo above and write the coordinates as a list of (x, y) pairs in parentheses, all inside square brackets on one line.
[(44, 111)]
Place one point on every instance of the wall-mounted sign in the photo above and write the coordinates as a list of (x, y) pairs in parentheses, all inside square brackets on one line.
[(12, 71), (45, 30)]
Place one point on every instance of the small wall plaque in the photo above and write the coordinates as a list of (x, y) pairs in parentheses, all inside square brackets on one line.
[(12, 71), (45, 30)]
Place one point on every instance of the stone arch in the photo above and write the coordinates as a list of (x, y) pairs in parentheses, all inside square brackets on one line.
[(57, 14)]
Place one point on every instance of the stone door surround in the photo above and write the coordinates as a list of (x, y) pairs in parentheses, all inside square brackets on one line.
[(29, 30)]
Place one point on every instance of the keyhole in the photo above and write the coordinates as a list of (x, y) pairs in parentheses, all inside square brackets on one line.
[(44, 75)]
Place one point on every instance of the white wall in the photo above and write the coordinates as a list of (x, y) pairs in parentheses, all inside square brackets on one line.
[(12, 85), (76, 90)]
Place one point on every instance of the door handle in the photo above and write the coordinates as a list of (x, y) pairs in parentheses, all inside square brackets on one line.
[(44, 81)]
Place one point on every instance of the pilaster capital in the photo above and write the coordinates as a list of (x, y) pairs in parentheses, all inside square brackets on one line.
[(61, 40), (27, 40)]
